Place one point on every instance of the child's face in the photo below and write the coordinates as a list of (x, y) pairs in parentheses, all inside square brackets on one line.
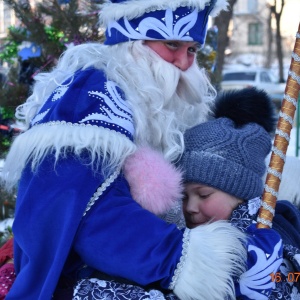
[(203, 204)]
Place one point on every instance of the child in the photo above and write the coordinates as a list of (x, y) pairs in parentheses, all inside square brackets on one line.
[(223, 164), (149, 178)]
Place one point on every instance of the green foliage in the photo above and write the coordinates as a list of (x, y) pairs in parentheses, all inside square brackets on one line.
[(207, 56), (6, 235), (12, 42), (6, 117), (50, 26), (6, 112), (54, 34), (7, 203), (9, 52)]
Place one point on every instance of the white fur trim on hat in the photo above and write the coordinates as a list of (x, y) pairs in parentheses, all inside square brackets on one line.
[(136, 8), (213, 256)]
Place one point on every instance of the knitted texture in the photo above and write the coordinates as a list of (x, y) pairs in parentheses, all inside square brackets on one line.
[(227, 157)]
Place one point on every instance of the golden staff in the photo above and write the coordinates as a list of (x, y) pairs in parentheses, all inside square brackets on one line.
[(281, 141)]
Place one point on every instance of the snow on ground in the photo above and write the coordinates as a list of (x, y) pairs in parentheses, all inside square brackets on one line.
[(291, 150), (6, 223)]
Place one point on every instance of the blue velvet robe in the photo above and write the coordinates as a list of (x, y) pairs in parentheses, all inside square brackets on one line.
[(116, 236)]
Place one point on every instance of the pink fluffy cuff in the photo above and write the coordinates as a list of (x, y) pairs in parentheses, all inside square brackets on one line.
[(154, 182)]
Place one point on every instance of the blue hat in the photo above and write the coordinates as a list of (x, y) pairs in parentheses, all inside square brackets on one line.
[(229, 152), (226, 157), (182, 20)]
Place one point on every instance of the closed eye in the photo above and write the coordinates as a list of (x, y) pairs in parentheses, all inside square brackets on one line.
[(204, 196)]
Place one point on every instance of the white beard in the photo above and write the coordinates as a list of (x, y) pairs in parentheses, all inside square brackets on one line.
[(165, 101)]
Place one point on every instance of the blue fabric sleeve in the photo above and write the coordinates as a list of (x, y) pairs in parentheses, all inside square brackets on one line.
[(287, 222), (120, 238), (49, 208)]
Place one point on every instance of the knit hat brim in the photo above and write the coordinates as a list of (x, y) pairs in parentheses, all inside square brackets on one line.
[(232, 178)]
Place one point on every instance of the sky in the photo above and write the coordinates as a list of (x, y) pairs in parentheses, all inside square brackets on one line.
[(290, 17)]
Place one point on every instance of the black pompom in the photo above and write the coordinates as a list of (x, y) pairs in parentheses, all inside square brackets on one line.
[(248, 105)]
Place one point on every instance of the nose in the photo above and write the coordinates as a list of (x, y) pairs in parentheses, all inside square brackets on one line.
[(191, 206), (183, 59)]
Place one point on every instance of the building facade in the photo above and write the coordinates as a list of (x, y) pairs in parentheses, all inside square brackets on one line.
[(7, 18), (250, 31)]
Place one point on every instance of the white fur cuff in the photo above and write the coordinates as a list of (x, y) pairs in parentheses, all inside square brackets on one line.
[(212, 256)]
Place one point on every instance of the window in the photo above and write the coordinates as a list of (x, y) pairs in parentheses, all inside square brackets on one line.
[(252, 6), (250, 76), (264, 77), (255, 34)]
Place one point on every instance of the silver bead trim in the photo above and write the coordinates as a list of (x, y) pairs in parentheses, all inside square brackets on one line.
[(296, 57), (275, 173), (270, 190), (101, 190), (298, 35), (283, 134), (180, 265), (64, 123), (268, 208), (70, 124), (294, 76), (264, 222), (286, 117), (290, 99), (279, 153)]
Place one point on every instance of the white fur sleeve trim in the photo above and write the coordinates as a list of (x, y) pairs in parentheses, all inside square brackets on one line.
[(103, 145), (212, 256), (136, 8)]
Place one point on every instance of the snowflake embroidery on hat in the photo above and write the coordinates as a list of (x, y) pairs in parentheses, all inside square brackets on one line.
[(167, 27), (113, 109)]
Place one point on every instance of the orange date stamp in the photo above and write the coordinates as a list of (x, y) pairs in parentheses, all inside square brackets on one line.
[(291, 277)]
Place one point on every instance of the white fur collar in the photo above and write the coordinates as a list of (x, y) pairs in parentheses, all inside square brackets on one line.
[(33, 145)]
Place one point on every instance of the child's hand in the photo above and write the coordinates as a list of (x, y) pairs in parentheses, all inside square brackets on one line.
[(264, 258)]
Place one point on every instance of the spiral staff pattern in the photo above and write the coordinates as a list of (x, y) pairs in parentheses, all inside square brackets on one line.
[(282, 139)]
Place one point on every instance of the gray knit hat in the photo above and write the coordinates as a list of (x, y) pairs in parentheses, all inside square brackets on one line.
[(229, 153)]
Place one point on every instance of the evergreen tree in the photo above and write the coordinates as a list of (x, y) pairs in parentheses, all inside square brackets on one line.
[(45, 31), (35, 45)]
